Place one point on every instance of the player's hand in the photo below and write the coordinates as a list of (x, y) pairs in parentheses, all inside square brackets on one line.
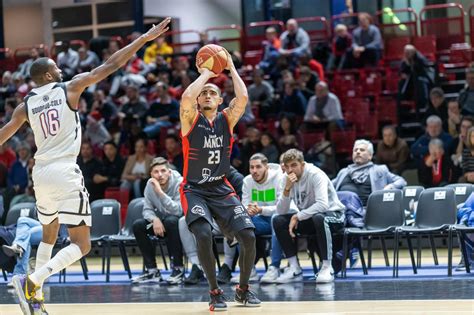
[(230, 62), (205, 71), (293, 225), (157, 30), (291, 179), (158, 227)]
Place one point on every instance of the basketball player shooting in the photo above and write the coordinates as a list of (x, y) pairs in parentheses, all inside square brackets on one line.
[(61, 198), (205, 191)]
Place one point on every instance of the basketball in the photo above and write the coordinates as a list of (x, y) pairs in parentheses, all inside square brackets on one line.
[(212, 57)]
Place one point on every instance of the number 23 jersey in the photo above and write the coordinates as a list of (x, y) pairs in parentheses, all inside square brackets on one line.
[(206, 150), (56, 127)]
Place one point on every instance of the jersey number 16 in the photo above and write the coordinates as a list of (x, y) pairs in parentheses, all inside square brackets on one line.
[(49, 122)]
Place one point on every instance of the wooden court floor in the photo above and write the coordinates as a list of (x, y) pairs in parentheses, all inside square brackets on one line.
[(293, 308)]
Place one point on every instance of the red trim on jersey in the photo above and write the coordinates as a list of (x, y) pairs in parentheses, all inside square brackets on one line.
[(226, 181), (192, 126), (185, 142), (182, 195), (231, 130)]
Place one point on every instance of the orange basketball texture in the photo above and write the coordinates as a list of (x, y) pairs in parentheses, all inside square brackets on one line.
[(212, 57)]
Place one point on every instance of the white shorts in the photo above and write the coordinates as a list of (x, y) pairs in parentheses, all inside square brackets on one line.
[(60, 193)]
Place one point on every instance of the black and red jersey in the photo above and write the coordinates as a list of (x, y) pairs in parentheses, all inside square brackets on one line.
[(206, 150)]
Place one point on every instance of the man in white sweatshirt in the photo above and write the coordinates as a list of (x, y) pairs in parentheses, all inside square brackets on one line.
[(320, 214), (161, 214), (260, 193)]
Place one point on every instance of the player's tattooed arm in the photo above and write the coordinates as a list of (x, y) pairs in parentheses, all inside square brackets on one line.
[(19, 117), (237, 106)]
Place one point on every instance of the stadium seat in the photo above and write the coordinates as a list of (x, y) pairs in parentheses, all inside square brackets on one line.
[(23, 209)]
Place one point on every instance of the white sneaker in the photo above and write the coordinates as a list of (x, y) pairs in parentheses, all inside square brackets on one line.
[(291, 274), (325, 275), (271, 275), (253, 277)]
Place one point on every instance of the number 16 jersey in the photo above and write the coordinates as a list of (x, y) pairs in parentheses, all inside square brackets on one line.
[(56, 127), (206, 150)]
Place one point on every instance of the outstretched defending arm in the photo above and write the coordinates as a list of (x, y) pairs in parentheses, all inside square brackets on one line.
[(237, 106), (19, 117), (77, 85)]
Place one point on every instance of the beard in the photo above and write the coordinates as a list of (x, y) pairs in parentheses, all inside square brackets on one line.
[(206, 107)]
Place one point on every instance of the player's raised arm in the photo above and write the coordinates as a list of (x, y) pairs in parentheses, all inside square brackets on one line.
[(188, 106), (237, 106), (19, 117), (77, 85)]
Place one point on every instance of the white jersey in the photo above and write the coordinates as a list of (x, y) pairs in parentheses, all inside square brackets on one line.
[(55, 125)]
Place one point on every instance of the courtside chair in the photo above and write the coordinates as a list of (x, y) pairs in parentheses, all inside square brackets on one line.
[(461, 192), (384, 214), (22, 209), (435, 215)]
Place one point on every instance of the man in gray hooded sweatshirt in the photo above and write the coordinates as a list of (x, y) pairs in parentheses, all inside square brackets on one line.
[(161, 214), (320, 214)]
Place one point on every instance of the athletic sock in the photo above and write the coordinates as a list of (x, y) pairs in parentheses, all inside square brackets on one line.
[(43, 255), (194, 260), (293, 262)]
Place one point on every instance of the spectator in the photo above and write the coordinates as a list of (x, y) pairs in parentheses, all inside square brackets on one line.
[(317, 68), (137, 168), (159, 47), (18, 174), (173, 153), (320, 213), (288, 137), (271, 47), (454, 118), (269, 147), (294, 42), (324, 107), (161, 214), (228, 96), (90, 167), (364, 177), (438, 106), (88, 60), (367, 44), (434, 129), (105, 107), (261, 95), (341, 43), (307, 81), (466, 96), (293, 101), (460, 143), (135, 107), (436, 169), (9, 107), (163, 112), (7, 155), (468, 158), (8, 88), (392, 151), (24, 68), (250, 145), (96, 133), (112, 167), (67, 60), (417, 77)]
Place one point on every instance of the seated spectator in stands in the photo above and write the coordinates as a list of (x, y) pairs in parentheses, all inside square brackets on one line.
[(454, 118), (9, 107), (294, 42), (436, 170), (269, 147), (161, 214), (135, 107), (163, 112), (466, 95), (468, 158), (434, 129), (392, 150), (173, 152), (288, 137), (271, 47), (341, 43), (417, 77), (293, 101), (67, 60), (105, 107), (324, 107), (7, 155), (7, 89), (159, 47), (88, 60), (438, 106), (307, 81), (320, 213), (367, 44), (96, 133), (261, 94), (90, 166), (363, 176), (24, 68), (137, 169), (306, 60), (460, 143), (249, 146), (112, 167), (18, 174), (228, 95), (29, 232)]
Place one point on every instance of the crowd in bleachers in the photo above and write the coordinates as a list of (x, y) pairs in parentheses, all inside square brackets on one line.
[(296, 101)]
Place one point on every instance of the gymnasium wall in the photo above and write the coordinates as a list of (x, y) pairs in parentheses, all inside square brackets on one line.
[(23, 25)]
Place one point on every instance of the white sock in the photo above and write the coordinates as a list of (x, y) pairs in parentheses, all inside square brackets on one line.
[(229, 254), (43, 255), (326, 264), (294, 262), (194, 260), (61, 260)]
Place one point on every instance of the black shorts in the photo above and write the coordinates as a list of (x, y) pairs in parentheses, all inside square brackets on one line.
[(218, 201)]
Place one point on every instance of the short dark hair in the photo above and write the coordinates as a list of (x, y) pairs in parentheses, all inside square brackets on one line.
[(172, 136), (292, 155), (391, 127), (111, 143), (159, 161), (259, 156), (437, 91), (39, 67)]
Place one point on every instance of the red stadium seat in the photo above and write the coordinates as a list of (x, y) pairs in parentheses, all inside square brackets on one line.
[(311, 138), (343, 141), (122, 196), (394, 48), (426, 45), (387, 111)]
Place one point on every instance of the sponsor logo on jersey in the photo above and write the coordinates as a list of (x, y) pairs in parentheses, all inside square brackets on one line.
[(239, 210), (198, 210)]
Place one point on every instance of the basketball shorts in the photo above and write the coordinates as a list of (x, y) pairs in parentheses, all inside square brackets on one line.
[(218, 201), (60, 193)]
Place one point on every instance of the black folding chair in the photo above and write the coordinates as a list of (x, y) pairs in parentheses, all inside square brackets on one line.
[(23, 209), (436, 214), (461, 192), (384, 214)]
